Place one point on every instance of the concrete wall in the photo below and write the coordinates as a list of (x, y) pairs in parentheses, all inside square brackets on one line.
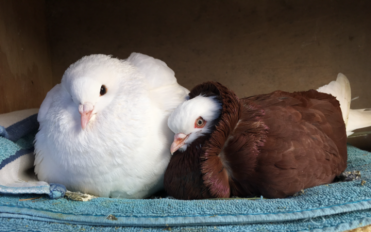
[(25, 65), (251, 46)]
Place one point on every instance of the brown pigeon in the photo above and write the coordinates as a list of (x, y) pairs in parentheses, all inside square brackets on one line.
[(272, 145)]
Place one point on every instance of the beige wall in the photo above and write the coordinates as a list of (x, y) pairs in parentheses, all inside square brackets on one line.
[(25, 66), (251, 46)]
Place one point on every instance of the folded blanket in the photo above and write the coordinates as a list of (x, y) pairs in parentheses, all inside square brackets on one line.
[(334, 207), (17, 157)]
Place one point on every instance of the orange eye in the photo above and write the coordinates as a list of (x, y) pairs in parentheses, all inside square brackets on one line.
[(200, 122)]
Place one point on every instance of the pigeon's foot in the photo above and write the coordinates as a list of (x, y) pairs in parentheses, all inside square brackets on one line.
[(349, 176), (77, 196)]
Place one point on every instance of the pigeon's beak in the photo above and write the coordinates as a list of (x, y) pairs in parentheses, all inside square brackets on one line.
[(178, 142), (86, 111)]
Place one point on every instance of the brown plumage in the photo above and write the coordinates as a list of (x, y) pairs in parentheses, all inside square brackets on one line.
[(272, 145)]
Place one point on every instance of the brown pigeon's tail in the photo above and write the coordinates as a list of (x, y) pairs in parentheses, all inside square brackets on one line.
[(354, 119), (341, 90), (358, 119)]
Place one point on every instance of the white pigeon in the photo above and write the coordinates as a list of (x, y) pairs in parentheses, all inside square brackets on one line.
[(353, 119), (103, 129)]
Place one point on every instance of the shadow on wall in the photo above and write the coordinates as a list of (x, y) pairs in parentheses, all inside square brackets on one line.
[(252, 47)]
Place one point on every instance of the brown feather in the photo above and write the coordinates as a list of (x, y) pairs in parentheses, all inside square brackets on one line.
[(272, 145)]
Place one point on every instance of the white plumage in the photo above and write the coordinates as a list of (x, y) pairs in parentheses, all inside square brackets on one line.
[(182, 121), (354, 119), (124, 149)]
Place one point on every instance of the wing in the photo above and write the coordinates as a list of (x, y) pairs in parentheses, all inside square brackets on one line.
[(46, 104), (165, 91), (156, 72), (305, 144)]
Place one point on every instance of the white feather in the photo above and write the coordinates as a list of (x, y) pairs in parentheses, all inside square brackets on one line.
[(183, 118), (124, 150), (151, 69), (353, 119), (341, 90), (358, 119)]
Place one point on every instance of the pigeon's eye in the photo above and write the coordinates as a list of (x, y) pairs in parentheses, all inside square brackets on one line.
[(200, 122), (103, 90)]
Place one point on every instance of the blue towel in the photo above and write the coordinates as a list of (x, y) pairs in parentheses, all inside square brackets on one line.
[(335, 207), (16, 157)]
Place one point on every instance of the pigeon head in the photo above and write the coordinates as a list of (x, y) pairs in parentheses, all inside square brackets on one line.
[(93, 82), (192, 119), (201, 125)]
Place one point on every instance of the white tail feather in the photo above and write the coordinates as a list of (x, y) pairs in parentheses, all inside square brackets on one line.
[(358, 119), (353, 119), (341, 90)]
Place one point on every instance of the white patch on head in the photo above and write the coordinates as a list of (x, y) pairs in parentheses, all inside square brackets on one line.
[(182, 119)]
